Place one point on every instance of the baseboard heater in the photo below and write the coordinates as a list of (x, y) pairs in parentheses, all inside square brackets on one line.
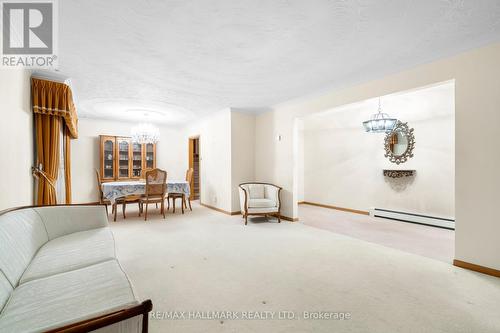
[(414, 218)]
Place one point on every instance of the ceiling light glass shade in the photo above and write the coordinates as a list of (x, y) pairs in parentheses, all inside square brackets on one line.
[(379, 122), (145, 133)]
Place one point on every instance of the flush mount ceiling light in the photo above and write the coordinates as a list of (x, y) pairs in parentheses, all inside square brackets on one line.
[(145, 133), (379, 122)]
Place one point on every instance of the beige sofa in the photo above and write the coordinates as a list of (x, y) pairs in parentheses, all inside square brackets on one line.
[(59, 271)]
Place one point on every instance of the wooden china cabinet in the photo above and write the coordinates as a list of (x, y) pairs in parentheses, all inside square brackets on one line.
[(122, 159)]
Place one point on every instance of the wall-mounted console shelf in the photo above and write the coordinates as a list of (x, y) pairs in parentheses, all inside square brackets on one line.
[(399, 173)]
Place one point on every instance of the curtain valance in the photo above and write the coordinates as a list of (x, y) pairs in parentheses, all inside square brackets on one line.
[(55, 98)]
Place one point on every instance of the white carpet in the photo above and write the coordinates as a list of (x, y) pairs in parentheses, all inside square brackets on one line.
[(207, 261)]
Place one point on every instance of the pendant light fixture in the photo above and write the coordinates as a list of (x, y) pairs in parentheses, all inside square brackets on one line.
[(145, 133), (379, 122)]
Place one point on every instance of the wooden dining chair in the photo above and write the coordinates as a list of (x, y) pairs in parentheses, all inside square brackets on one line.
[(106, 202), (185, 200), (143, 172), (102, 200), (143, 176), (156, 190)]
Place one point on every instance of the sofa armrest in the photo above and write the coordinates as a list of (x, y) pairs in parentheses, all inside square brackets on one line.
[(108, 319), (66, 219)]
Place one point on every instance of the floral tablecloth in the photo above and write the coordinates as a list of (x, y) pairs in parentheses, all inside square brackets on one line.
[(115, 190)]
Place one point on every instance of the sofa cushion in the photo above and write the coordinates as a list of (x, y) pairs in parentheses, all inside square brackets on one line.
[(22, 233), (64, 220), (65, 298), (71, 252), (261, 203), (256, 191), (263, 210), (5, 290)]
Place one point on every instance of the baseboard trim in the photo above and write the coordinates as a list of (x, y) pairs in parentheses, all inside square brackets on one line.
[(239, 212), (290, 219), (355, 211), (477, 268), (218, 209)]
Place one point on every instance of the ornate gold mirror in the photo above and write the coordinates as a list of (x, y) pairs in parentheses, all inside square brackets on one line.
[(399, 143)]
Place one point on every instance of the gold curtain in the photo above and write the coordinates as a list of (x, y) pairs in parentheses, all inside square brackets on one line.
[(52, 101), (67, 164), (55, 99), (47, 153)]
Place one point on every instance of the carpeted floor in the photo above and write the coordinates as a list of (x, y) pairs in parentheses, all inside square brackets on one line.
[(207, 261), (431, 242)]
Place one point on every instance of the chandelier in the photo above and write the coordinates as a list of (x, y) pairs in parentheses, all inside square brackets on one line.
[(379, 122), (145, 133)]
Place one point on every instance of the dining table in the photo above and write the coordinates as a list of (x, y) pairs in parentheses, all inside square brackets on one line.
[(119, 189)]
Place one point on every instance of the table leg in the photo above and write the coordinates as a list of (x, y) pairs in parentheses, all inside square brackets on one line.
[(182, 203)]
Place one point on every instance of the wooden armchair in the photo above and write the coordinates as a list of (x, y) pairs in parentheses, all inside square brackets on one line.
[(173, 196), (156, 190), (260, 199)]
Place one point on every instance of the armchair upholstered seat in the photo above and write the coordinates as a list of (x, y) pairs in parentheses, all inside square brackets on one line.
[(260, 199)]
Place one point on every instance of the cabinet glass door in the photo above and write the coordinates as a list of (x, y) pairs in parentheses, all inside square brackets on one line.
[(150, 156), (123, 158), (136, 160), (108, 160)]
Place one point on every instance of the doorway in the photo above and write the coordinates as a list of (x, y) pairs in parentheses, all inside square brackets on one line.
[(343, 174), (194, 163)]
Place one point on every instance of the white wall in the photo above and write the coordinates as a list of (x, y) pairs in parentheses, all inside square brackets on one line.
[(215, 158), (477, 117), (242, 153), (171, 154), (300, 160), (343, 164), (16, 135)]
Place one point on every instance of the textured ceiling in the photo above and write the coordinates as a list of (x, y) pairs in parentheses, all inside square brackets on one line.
[(178, 60)]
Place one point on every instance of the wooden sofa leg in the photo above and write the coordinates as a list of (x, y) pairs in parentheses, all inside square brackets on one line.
[(246, 219), (145, 322)]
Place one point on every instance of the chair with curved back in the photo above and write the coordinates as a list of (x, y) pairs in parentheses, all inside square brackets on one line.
[(174, 196), (156, 190), (260, 199), (143, 176), (143, 172)]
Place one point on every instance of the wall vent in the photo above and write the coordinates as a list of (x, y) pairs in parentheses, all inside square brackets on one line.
[(434, 221)]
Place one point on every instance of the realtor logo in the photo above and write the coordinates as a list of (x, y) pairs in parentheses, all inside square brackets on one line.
[(28, 33)]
